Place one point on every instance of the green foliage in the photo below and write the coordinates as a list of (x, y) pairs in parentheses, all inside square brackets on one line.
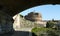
[(37, 31), (53, 24), (44, 31), (50, 24), (21, 15)]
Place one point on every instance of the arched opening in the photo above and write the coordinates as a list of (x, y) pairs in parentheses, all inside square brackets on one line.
[(47, 12), (14, 6), (44, 10)]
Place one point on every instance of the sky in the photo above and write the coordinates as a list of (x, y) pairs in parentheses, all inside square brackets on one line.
[(48, 12)]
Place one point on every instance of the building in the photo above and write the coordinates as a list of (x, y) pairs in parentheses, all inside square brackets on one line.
[(36, 17)]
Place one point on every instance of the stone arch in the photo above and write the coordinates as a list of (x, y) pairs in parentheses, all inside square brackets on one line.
[(15, 6)]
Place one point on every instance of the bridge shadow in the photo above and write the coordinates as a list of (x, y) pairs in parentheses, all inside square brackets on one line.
[(21, 33), (17, 33)]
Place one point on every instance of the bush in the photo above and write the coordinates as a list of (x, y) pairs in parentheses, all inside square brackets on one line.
[(50, 24), (45, 31)]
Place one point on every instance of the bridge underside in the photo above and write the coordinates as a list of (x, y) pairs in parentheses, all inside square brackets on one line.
[(8, 8), (15, 6)]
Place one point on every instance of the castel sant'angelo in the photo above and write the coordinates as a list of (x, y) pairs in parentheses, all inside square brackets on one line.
[(35, 17), (28, 21)]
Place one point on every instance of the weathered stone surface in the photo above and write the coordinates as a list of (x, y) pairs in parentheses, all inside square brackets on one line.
[(6, 22), (16, 6), (21, 24), (34, 16)]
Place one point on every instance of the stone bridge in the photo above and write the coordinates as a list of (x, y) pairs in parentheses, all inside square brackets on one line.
[(15, 6), (9, 8)]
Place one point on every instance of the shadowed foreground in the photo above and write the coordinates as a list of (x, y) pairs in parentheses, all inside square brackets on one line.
[(16, 33)]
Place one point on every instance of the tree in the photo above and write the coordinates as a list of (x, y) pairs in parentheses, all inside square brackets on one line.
[(50, 24), (45, 32), (21, 15)]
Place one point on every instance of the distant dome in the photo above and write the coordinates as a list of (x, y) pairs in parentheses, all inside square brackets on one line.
[(34, 16)]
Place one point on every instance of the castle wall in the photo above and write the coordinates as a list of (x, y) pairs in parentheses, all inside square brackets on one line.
[(34, 16)]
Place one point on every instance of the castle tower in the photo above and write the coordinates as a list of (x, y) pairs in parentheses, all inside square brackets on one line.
[(34, 16)]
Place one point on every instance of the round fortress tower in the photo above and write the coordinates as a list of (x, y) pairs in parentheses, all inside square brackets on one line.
[(34, 16)]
